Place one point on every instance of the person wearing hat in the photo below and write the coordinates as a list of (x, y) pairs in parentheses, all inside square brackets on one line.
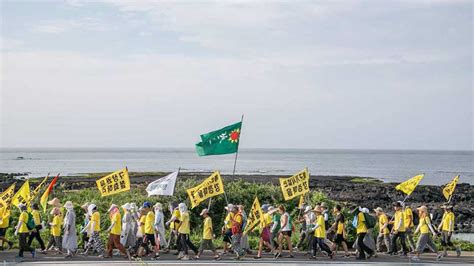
[(93, 227), (227, 228), (115, 229), (183, 233), (127, 236), (409, 226), (85, 235), (21, 229), (55, 241), (383, 237), (69, 236), (35, 233), (237, 222), (160, 225), (424, 240), (55, 203), (140, 248), (303, 228), (275, 229), (265, 231), (361, 231), (447, 228), (398, 229), (173, 224), (320, 234), (149, 237), (4, 224), (285, 232), (244, 241), (339, 228), (207, 236)]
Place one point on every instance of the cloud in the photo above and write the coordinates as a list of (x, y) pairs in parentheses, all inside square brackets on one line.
[(64, 25)]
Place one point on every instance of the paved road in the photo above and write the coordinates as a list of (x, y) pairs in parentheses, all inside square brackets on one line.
[(8, 258)]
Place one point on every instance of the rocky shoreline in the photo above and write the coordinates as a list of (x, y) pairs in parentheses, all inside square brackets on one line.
[(350, 191)]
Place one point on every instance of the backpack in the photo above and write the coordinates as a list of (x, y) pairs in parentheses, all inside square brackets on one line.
[(370, 220), (236, 227), (416, 218), (30, 224)]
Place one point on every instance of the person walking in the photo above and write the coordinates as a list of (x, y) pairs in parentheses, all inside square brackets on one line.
[(4, 224), (265, 232), (183, 233), (55, 241), (319, 230), (340, 230), (21, 229), (244, 241), (383, 237), (303, 228), (127, 236), (237, 222), (424, 240), (69, 242), (285, 232), (447, 228), (361, 231), (207, 236), (275, 229), (35, 233), (398, 230), (115, 229), (173, 225), (93, 226), (149, 237), (227, 228), (85, 235), (160, 232), (409, 226)]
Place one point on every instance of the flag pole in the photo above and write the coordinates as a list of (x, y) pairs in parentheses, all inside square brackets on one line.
[(238, 143)]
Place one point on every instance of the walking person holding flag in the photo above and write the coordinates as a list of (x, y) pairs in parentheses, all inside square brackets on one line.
[(35, 233), (447, 228), (398, 230)]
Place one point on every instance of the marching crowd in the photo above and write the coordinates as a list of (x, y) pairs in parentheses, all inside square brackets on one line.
[(141, 231)]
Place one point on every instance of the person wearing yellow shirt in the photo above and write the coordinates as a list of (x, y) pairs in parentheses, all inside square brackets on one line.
[(55, 241), (93, 226), (173, 224), (35, 233), (398, 229), (265, 232), (409, 226), (426, 229), (447, 228), (383, 237), (237, 221), (207, 236), (4, 223), (320, 234), (22, 231), (140, 248), (361, 231), (227, 228), (115, 229), (183, 233), (149, 237), (339, 228)]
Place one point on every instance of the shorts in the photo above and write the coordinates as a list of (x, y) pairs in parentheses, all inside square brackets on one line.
[(338, 239), (286, 233), (446, 239), (228, 236), (150, 238), (3, 231)]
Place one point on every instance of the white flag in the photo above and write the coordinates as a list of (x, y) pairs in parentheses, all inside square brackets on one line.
[(163, 186)]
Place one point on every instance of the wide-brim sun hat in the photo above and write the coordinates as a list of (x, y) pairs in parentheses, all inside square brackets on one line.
[(307, 209), (204, 211), (127, 206), (378, 209), (55, 202), (229, 207), (423, 208), (68, 205), (85, 205), (113, 206)]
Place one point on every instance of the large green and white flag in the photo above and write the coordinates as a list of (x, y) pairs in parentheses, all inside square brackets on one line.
[(221, 141)]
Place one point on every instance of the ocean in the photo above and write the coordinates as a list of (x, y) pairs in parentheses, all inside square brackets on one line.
[(389, 165)]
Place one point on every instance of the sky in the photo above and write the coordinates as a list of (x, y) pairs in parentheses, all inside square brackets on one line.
[(305, 74)]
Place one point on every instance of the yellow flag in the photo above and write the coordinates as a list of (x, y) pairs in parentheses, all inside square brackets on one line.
[(22, 195), (300, 204), (448, 190), (114, 183), (255, 216), (6, 197), (210, 187), (295, 185), (408, 186), (35, 192)]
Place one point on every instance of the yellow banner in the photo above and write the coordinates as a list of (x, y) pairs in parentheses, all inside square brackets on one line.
[(300, 204), (35, 192), (6, 197), (295, 185), (114, 183), (22, 195), (408, 186), (210, 187), (448, 190), (255, 216)]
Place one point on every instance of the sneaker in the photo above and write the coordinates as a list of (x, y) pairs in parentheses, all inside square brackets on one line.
[(458, 251), (68, 256), (217, 258), (439, 256), (312, 257), (414, 258)]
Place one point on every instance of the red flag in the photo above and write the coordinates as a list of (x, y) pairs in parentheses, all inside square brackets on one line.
[(44, 198)]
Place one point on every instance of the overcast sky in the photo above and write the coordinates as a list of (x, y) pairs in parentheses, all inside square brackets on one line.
[(306, 74)]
